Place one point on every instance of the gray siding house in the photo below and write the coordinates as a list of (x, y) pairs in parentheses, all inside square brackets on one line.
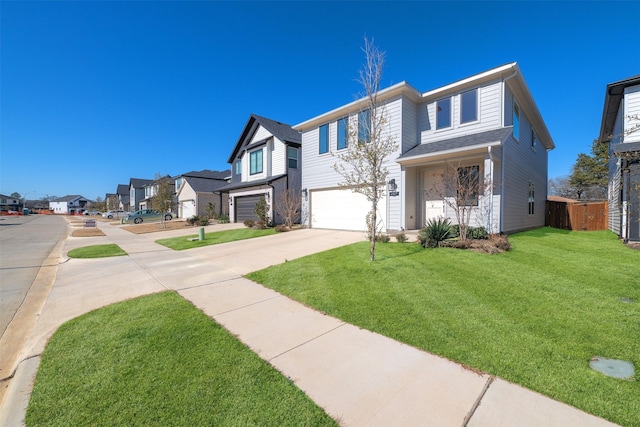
[(487, 124), (265, 162), (196, 189), (621, 129), (137, 192)]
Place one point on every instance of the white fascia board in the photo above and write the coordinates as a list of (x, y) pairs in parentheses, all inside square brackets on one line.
[(403, 88), (473, 80)]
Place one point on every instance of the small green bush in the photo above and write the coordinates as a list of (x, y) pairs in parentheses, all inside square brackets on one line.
[(261, 225), (383, 238), (223, 219), (203, 220), (478, 233), (401, 237), (435, 232), (193, 220), (249, 223)]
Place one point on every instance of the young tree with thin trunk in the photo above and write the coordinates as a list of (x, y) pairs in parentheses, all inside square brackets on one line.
[(362, 164), (288, 205), (162, 201)]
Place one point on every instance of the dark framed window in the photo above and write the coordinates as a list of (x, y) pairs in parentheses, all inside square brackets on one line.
[(531, 198), (324, 139), (292, 157), (364, 126), (343, 133), (255, 158), (516, 121), (469, 106), (534, 139), (238, 166), (443, 113), (468, 185)]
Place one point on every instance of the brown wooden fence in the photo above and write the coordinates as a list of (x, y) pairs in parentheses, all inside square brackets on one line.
[(577, 216)]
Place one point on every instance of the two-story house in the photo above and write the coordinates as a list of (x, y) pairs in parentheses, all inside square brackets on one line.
[(151, 190), (265, 162), (486, 126), (137, 192), (197, 190), (621, 128), (71, 205)]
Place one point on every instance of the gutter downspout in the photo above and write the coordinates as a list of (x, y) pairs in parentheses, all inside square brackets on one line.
[(490, 153)]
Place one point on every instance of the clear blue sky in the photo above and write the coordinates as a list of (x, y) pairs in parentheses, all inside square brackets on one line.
[(94, 93)]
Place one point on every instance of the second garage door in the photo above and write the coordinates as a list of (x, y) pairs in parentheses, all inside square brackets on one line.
[(245, 207), (343, 210)]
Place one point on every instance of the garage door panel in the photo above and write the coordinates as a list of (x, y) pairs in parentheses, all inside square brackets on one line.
[(245, 207), (343, 210)]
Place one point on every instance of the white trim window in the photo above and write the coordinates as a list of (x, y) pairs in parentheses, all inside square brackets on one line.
[(516, 121), (255, 162), (443, 113), (324, 139), (292, 157), (343, 133), (469, 106)]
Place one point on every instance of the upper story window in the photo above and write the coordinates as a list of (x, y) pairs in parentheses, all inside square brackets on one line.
[(516, 121), (534, 139), (238, 167), (469, 106), (364, 126), (292, 157), (178, 183), (343, 133), (443, 113), (324, 139), (255, 158)]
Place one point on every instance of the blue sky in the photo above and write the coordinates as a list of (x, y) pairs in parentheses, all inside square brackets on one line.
[(94, 93)]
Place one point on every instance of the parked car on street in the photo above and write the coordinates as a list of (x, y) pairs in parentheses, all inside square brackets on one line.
[(147, 215), (114, 214)]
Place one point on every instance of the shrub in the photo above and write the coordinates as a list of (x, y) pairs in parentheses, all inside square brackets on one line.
[(249, 223), (261, 209), (203, 220), (401, 237), (281, 228), (223, 219), (382, 238), (501, 241), (193, 220), (435, 232), (261, 225), (477, 233)]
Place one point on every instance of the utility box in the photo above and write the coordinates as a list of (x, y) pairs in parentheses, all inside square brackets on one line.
[(25, 211)]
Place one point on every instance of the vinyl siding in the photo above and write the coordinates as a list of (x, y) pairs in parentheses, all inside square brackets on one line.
[(278, 158), (488, 115), (521, 165), (631, 108), (615, 177)]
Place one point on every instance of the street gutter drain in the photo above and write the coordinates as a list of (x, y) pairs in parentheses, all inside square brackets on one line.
[(612, 368)]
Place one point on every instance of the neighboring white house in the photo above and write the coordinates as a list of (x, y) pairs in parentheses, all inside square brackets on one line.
[(265, 162), (71, 205), (487, 125), (621, 128), (195, 190)]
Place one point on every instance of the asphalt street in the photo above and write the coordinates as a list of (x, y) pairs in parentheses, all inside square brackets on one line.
[(25, 243)]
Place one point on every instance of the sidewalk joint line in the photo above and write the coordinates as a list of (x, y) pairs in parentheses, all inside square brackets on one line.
[(475, 405), (211, 283), (308, 341), (248, 305)]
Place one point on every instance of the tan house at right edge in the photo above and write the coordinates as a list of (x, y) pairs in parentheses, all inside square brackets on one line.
[(487, 124)]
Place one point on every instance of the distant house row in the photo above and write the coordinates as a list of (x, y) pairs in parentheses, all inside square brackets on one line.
[(487, 127)]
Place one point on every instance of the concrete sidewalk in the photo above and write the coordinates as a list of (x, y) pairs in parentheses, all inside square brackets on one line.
[(358, 377)]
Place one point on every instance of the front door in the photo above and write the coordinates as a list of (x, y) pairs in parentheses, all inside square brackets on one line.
[(433, 185)]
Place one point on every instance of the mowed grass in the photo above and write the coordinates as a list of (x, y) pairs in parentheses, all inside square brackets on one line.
[(534, 316), (96, 251), (157, 360), (184, 242)]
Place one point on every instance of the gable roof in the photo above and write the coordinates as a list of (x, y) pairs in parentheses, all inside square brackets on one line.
[(282, 131), (123, 190), (247, 184), (208, 174), (139, 183), (612, 97), (69, 198), (204, 185)]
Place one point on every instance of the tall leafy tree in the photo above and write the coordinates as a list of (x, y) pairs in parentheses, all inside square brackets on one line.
[(589, 176), (362, 164)]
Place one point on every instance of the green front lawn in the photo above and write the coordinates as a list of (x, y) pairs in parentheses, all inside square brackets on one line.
[(96, 251), (185, 242), (534, 316), (157, 360)]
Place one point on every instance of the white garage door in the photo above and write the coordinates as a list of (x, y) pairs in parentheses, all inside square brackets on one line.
[(343, 210), (188, 209)]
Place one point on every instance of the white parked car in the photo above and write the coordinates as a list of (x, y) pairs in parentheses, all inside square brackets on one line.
[(114, 214)]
